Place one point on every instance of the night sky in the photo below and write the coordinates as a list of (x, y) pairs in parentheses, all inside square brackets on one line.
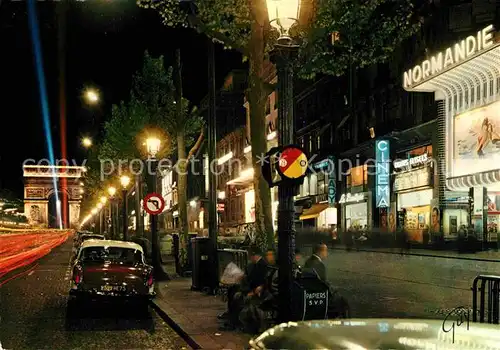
[(104, 44)]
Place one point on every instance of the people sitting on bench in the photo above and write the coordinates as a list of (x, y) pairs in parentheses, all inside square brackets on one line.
[(252, 285)]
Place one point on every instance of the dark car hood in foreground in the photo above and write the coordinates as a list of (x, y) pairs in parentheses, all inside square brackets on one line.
[(382, 334)]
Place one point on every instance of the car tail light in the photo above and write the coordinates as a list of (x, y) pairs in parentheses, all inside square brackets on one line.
[(150, 279), (77, 276)]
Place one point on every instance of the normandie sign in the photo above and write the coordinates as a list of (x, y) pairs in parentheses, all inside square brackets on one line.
[(453, 55)]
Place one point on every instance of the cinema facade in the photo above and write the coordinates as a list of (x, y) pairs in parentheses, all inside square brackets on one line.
[(465, 79)]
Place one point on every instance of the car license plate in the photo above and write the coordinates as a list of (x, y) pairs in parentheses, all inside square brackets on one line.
[(108, 288)]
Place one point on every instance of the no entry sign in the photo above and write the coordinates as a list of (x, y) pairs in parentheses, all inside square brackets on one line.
[(153, 203), (292, 163)]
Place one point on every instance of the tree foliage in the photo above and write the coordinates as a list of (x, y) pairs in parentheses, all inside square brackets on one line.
[(368, 30)]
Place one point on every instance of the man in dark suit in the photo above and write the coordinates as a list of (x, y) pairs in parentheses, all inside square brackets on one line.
[(316, 262), (252, 285)]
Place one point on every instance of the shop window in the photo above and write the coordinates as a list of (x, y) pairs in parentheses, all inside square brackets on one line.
[(321, 183), (357, 176), (313, 185)]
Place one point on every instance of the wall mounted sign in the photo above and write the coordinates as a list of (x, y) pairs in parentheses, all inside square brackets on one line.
[(332, 182), (382, 175), (411, 162), (453, 55), (413, 179), (352, 198)]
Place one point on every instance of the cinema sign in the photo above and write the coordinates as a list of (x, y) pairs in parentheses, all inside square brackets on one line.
[(453, 55)]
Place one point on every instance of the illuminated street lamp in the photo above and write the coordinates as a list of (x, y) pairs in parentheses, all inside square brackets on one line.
[(283, 14), (112, 212), (103, 199), (111, 191), (125, 181), (153, 146), (99, 205), (94, 211), (87, 142), (92, 96)]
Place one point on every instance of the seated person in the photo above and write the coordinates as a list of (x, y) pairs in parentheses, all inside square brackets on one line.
[(252, 285), (315, 262), (337, 305)]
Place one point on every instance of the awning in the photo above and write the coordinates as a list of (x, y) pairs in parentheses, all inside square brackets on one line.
[(313, 212)]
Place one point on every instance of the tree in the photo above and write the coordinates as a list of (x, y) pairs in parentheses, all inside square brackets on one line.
[(155, 106), (243, 25), (182, 126)]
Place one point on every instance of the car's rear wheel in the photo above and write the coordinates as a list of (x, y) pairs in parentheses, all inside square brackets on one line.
[(142, 307), (73, 308)]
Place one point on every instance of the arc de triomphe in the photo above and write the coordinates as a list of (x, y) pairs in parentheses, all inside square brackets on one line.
[(39, 187)]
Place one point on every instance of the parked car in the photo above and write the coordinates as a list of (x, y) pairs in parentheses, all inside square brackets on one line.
[(109, 271), (82, 237)]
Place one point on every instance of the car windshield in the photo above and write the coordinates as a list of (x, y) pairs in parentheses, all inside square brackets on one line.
[(114, 254)]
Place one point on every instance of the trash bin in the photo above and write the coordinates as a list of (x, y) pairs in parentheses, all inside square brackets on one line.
[(203, 262)]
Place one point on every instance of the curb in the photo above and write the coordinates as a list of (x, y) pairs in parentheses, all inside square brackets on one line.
[(419, 254), (183, 334)]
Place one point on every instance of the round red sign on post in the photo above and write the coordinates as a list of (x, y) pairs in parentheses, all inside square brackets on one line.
[(153, 203), (292, 163)]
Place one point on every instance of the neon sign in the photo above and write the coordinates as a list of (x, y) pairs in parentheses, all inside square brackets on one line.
[(449, 57), (382, 175)]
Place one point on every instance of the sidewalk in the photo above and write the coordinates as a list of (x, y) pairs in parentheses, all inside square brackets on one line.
[(490, 255), (195, 315)]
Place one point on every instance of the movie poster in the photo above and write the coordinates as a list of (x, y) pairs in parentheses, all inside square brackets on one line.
[(435, 217)]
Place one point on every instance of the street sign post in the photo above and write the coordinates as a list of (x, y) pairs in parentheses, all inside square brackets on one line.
[(285, 166), (153, 203), (292, 163)]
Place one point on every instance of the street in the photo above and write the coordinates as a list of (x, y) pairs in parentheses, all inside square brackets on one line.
[(33, 310), (388, 285)]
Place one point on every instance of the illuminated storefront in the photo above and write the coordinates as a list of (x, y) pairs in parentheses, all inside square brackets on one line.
[(356, 202), (465, 79), (413, 188)]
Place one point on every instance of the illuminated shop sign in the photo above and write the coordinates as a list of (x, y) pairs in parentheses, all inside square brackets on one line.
[(453, 55), (382, 175), (352, 197), (411, 162), (413, 179)]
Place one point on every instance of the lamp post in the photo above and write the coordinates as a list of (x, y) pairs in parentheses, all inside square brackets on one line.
[(125, 181), (94, 212), (153, 147), (103, 201), (99, 209), (112, 192), (283, 14)]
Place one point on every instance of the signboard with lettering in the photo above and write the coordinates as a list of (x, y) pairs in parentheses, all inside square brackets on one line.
[(382, 174), (453, 55), (411, 162), (315, 305), (352, 197), (413, 179), (332, 182)]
